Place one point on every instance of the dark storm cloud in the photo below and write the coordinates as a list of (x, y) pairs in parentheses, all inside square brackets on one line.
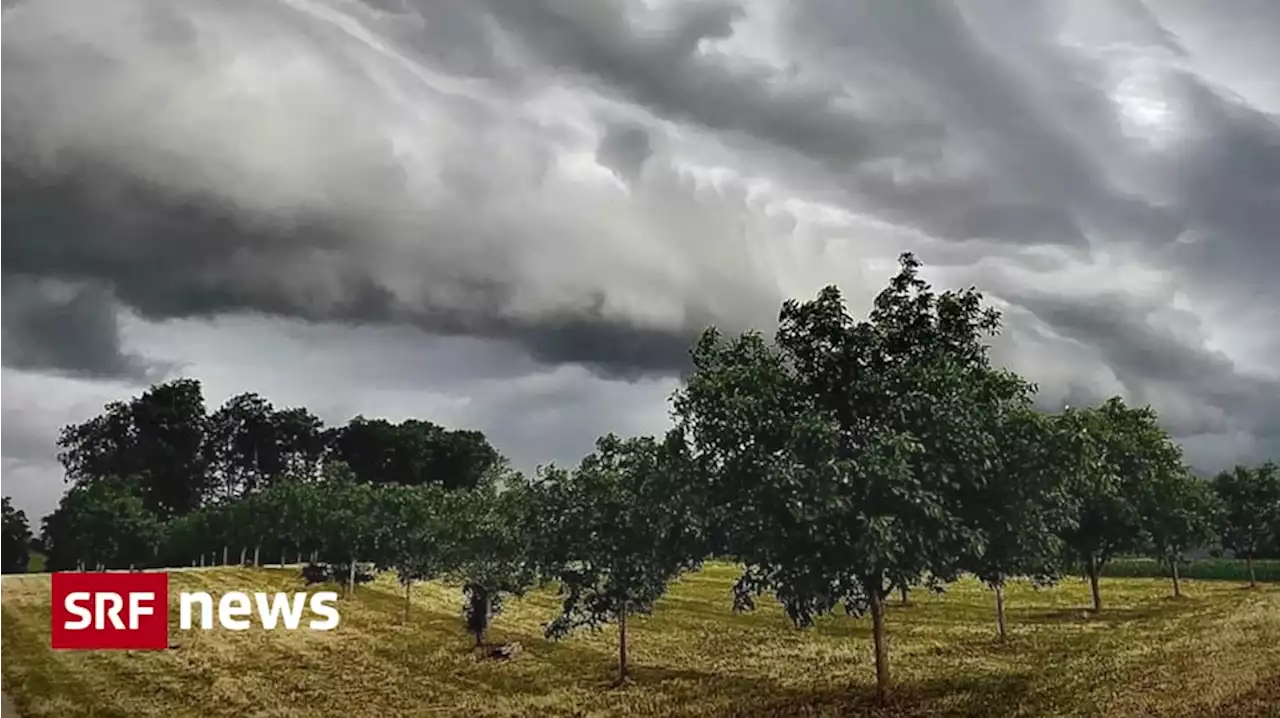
[(659, 67), (68, 329), (403, 162)]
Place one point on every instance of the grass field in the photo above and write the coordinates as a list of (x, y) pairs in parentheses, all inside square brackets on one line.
[(1216, 652)]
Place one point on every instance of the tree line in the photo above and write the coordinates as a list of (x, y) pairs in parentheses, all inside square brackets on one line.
[(837, 461)]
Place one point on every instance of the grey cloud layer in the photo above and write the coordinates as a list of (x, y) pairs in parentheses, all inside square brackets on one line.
[(422, 163)]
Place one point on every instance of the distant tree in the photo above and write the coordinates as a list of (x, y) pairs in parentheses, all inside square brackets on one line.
[(1026, 503), (1133, 453), (1179, 514), (839, 456), (157, 437), (17, 539), (350, 533), (413, 452), (301, 441), (1250, 500), (103, 522), (617, 531), (241, 449)]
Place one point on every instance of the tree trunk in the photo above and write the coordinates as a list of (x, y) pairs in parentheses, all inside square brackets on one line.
[(1177, 587), (622, 644), (351, 577), (881, 645), (256, 550), (1000, 623), (408, 586), (1094, 570), (243, 551), (903, 590), (201, 560), (224, 555), (1253, 578)]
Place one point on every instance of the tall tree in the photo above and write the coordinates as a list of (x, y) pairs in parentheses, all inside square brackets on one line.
[(1250, 499), (840, 455), (157, 437), (300, 437), (17, 539), (617, 531), (414, 452), (1132, 453), (241, 449), (1026, 503), (1179, 514)]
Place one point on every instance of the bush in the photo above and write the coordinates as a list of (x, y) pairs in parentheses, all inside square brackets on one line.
[(1208, 569)]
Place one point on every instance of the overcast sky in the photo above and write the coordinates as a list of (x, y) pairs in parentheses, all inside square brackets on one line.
[(514, 215)]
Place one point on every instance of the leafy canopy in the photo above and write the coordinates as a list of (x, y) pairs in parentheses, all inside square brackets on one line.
[(839, 456)]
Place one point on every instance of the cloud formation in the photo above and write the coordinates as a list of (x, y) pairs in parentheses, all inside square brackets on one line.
[(565, 183)]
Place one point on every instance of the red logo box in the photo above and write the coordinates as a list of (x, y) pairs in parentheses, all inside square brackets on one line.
[(110, 611)]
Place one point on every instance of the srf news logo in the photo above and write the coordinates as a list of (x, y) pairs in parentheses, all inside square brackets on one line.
[(130, 611)]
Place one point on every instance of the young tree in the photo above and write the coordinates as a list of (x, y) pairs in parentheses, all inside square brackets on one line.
[(494, 558), (414, 534), (1250, 500), (17, 539), (1025, 504), (1132, 453), (617, 531), (838, 457), (1179, 514)]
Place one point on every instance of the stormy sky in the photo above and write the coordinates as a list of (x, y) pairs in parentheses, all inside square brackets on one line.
[(514, 215)]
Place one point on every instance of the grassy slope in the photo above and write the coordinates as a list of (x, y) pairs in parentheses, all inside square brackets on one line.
[(1214, 653)]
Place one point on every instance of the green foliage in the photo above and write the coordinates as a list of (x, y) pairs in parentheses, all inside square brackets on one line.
[(618, 530), (1250, 501), (413, 452), (1129, 451), (841, 455), (17, 539), (1179, 514), (1026, 504), (103, 522), (494, 558), (157, 437)]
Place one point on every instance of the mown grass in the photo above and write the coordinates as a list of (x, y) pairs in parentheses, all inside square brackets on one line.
[(1216, 652), (1208, 569)]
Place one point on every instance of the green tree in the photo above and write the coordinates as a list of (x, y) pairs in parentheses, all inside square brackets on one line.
[(413, 452), (494, 557), (17, 539), (1130, 453), (837, 458), (617, 532), (1026, 503), (414, 534), (103, 522), (1250, 500), (1179, 514), (157, 437), (241, 450)]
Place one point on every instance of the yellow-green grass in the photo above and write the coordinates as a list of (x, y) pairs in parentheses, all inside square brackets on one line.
[(1215, 652)]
